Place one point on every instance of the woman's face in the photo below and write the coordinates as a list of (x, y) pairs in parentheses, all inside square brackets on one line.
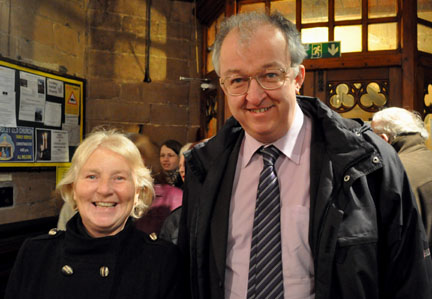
[(169, 160), (104, 192), (182, 170)]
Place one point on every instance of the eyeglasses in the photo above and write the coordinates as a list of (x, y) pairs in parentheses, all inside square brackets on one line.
[(237, 85)]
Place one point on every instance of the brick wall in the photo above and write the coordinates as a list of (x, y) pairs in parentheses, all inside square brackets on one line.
[(104, 41), (116, 53)]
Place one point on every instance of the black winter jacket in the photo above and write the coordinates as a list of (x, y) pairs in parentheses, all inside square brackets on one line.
[(365, 234), (127, 265)]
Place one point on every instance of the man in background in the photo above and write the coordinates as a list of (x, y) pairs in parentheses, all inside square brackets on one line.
[(406, 132)]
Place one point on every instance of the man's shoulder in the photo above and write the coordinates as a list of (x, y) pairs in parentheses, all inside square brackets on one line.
[(211, 150)]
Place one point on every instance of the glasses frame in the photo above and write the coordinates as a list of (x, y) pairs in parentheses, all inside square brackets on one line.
[(286, 71)]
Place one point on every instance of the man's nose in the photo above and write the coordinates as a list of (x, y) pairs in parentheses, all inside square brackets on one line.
[(255, 93)]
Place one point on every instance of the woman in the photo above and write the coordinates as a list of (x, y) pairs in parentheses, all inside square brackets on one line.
[(101, 254), (167, 197), (169, 160), (169, 229)]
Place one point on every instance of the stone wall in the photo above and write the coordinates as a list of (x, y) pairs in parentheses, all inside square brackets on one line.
[(104, 42), (117, 32)]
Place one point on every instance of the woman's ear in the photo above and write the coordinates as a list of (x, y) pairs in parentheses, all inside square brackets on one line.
[(138, 192)]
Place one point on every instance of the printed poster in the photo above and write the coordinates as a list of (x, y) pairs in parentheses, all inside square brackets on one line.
[(55, 88), (32, 97), (52, 146), (16, 144), (7, 79), (7, 111)]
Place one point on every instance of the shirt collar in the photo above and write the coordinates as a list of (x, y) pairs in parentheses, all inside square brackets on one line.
[(290, 144)]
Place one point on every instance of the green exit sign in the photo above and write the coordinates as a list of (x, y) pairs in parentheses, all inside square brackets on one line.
[(323, 50)]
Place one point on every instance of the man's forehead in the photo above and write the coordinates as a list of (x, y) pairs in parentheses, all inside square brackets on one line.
[(247, 47)]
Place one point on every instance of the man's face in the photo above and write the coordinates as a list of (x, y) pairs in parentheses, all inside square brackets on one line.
[(266, 115)]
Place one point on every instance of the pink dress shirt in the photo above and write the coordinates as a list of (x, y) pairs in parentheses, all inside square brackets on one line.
[(294, 180)]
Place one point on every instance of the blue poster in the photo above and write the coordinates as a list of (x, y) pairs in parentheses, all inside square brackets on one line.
[(16, 144)]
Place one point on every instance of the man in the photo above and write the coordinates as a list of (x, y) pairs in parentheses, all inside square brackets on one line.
[(346, 224), (406, 132)]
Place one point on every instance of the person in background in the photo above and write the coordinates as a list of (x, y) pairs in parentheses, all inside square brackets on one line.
[(182, 169), (167, 197), (289, 199), (101, 254), (406, 132), (169, 160), (169, 230), (66, 213)]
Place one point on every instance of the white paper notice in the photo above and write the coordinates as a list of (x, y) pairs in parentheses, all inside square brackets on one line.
[(7, 111), (32, 97), (52, 114), (55, 88), (71, 119), (73, 132), (7, 79), (60, 146)]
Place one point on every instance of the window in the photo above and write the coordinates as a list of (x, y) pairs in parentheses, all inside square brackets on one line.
[(424, 28), (350, 37), (285, 7), (348, 10)]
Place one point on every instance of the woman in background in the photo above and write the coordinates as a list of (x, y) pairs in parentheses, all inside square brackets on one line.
[(169, 160), (101, 254), (167, 197)]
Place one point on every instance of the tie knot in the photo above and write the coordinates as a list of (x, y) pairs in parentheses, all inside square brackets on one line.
[(270, 154)]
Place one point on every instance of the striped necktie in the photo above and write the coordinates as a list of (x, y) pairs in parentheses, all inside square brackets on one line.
[(265, 267)]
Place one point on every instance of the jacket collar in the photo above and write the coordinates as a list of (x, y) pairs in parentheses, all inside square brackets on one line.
[(404, 143)]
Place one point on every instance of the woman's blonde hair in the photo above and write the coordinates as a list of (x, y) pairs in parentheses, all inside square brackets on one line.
[(119, 144)]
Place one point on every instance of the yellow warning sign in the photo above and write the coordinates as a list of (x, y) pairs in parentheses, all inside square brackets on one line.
[(72, 99)]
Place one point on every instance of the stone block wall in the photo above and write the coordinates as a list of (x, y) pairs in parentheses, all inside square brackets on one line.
[(104, 42), (116, 55)]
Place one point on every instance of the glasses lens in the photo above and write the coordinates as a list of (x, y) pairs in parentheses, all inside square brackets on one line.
[(271, 79), (237, 85)]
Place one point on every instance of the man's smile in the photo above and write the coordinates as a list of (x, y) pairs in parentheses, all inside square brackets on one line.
[(260, 110)]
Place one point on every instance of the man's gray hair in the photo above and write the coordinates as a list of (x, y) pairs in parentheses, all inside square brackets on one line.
[(248, 23), (396, 121)]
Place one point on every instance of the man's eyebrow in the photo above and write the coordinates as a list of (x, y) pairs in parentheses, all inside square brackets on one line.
[(272, 65)]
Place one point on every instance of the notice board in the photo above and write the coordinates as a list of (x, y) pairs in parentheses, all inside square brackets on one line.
[(41, 116)]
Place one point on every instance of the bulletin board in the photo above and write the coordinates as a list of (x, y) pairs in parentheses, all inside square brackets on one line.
[(41, 116)]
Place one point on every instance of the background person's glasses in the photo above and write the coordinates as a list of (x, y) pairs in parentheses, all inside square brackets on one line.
[(269, 79)]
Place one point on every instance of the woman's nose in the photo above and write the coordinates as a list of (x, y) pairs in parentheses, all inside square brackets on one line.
[(104, 186)]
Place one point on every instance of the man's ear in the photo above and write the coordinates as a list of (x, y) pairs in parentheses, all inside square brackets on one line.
[(299, 79)]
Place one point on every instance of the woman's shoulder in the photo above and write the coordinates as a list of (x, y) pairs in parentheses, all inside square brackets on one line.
[(53, 236), (46, 245), (151, 243)]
